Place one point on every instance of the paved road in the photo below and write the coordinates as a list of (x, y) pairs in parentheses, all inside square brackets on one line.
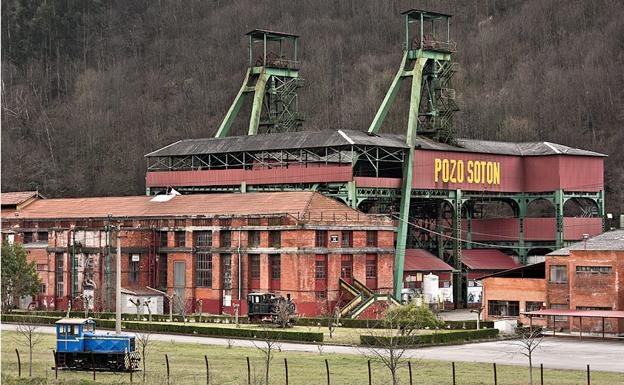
[(560, 353)]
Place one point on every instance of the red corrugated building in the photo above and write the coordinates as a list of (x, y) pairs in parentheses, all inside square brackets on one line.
[(586, 276), (215, 248)]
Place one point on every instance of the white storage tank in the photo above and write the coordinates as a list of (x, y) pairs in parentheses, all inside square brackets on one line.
[(431, 288)]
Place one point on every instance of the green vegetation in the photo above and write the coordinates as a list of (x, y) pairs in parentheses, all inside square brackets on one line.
[(410, 317), (229, 367), (431, 338), (19, 278)]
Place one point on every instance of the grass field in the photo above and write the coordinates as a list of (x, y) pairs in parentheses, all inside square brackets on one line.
[(229, 367)]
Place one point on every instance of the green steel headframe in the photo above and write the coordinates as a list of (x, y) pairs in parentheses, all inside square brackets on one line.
[(427, 61), (273, 79)]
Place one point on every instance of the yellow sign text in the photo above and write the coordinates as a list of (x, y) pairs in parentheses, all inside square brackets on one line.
[(472, 171)]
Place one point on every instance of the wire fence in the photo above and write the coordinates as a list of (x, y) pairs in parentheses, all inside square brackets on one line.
[(235, 368)]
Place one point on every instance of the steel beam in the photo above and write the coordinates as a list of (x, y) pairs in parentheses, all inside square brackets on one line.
[(380, 116), (224, 128), (256, 109)]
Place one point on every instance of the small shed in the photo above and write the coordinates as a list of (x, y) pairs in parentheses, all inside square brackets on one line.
[(145, 298)]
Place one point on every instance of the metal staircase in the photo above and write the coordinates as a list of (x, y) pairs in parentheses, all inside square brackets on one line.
[(363, 298)]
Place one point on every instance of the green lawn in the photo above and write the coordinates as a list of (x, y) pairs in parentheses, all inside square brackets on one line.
[(228, 366)]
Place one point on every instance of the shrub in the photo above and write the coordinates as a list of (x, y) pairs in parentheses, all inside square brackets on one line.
[(432, 338), (410, 317)]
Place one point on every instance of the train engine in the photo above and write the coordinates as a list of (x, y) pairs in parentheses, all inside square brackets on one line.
[(267, 307), (79, 347)]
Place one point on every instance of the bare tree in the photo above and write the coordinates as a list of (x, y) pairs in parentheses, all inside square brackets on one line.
[(331, 316), (145, 344), (146, 303), (170, 297), (390, 346), (268, 346), (527, 342), (284, 314), (28, 333), (137, 304)]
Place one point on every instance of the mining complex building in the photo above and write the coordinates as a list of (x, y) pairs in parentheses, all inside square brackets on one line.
[(498, 203)]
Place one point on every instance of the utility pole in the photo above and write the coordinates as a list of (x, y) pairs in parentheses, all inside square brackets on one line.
[(118, 284)]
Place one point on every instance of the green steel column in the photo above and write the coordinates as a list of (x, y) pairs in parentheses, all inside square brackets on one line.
[(440, 230), (601, 210), (352, 194), (408, 170), (468, 235), (389, 98), (522, 212), (73, 265), (256, 109), (224, 128), (458, 279), (559, 216)]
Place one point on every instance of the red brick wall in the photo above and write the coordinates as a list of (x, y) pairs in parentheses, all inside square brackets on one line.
[(513, 289)]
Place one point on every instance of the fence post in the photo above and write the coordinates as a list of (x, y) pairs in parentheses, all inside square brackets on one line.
[(131, 374), (286, 369), (167, 360), (588, 379), (409, 366), (453, 365), (19, 364), (93, 365), (55, 365), (370, 379), (327, 370), (495, 379), (248, 372), (207, 370), (541, 374)]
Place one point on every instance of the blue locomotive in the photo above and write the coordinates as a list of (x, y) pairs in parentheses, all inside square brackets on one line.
[(79, 347)]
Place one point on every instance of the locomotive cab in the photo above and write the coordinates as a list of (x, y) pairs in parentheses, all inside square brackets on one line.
[(70, 334)]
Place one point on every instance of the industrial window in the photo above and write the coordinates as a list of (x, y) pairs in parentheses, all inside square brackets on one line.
[(42, 267), (533, 305), (28, 237), (226, 238), (320, 294), (253, 238), (180, 239), (504, 308), (133, 268), (558, 273), (346, 267), (226, 266), (254, 222), (203, 239), (275, 266), (275, 238), (594, 269), (254, 266), (42, 236), (203, 270), (347, 238), (321, 238), (43, 288), (320, 267), (371, 238), (371, 266), (60, 277), (275, 221), (560, 306), (593, 308), (163, 239), (162, 270)]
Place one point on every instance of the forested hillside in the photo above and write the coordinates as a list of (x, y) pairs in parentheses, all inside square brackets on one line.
[(90, 86)]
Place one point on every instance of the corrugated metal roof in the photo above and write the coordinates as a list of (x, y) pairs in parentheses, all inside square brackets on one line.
[(477, 259), (306, 205), (577, 313), (423, 260), (336, 138), (609, 241)]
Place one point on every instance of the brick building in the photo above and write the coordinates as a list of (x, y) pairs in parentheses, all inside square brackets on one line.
[(215, 248), (584, 277)]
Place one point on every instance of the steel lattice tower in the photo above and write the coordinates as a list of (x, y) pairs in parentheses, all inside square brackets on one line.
[(273, 80), (427, 61)]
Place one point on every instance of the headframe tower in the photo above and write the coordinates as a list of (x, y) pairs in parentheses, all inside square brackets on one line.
[(272, 79), (427, 61)]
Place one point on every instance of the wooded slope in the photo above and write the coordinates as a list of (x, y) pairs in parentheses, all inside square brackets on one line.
[(91, 86)]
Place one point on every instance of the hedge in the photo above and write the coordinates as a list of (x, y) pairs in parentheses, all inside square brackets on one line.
[(429, 339), (132, 316), (379, 324), (276, 334)]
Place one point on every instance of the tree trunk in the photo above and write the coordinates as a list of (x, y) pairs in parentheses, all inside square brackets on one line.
[(30, 361), (530, 371)]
